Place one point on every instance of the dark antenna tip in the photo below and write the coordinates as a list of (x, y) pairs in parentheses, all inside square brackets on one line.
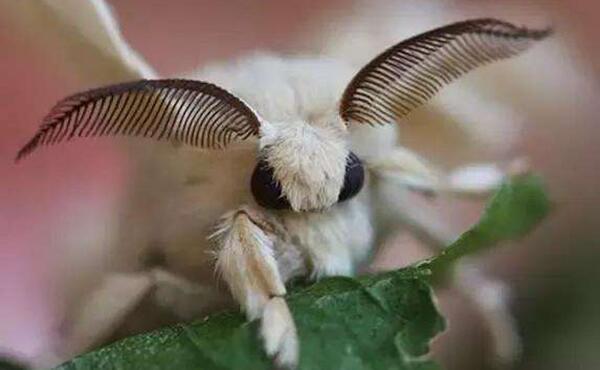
[(27, 148), (20, 155)]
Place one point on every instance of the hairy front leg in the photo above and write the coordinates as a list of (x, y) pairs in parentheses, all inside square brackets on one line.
[(255, 261)]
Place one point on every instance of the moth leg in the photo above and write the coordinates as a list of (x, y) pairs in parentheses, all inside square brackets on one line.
[(247, 262), (415, 173), (108, 306), (399, 209), (482, 179), (186, 299), (490, 296), (102, 311)]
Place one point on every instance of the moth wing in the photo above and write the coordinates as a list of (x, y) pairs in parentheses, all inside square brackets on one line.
[(84, 33)]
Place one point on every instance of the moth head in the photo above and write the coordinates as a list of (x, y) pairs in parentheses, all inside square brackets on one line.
[(302, 166), (305, 166)]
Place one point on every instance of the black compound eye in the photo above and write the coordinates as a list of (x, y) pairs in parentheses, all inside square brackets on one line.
[(265, 189), (353, 179)]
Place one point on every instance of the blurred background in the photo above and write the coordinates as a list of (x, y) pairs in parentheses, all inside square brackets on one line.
[(52, 207)]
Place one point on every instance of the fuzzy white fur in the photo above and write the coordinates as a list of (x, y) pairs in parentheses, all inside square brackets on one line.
[(309, 162), (246, 259)]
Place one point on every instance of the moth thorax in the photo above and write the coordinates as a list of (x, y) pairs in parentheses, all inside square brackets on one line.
[(268, 193)]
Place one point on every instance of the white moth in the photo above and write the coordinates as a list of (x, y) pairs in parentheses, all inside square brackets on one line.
[(281, 165)]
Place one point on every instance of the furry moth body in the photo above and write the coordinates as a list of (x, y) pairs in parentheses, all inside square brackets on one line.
[(287, 187)]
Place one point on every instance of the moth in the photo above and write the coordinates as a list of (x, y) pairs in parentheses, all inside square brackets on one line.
[(281, 165)]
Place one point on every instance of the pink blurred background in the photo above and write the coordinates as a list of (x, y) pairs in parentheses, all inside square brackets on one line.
[(41, 198)]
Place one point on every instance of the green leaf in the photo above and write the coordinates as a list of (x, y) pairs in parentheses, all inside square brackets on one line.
[(9, 364), (516, 208), (343, 323), (384, 321)]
